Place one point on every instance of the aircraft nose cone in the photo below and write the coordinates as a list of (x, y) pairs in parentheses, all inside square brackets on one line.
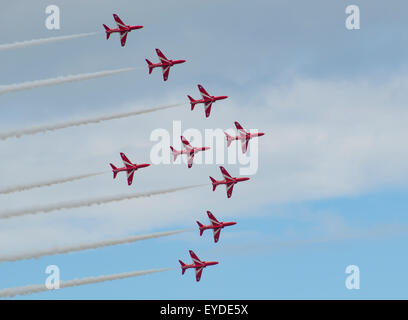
[(261, 134)]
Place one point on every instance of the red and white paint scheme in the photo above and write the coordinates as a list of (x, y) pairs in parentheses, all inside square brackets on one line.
[(129, 168), (164, 63), (215, 225), (228, 181), (206, 99), (189, 150), (244, 136), (122, 28), (197, 264)]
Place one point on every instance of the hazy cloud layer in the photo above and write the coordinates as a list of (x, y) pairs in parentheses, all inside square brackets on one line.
[(323, 139)]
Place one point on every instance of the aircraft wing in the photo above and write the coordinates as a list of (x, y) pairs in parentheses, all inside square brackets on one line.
[(203, 92), (244, 144), (213, 219), (123, 37), (225, 173), (130, 176), (199, 271), (126, 161), (190, 159), (240, 129), (230, 187), (217, 233), (207, 107), (186, 144), (194, 257), (119, 22), (166, 71), (162, 57)]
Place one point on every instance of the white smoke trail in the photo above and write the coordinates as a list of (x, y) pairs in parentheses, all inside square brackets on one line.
[(86, 246), (80, 122), (35, 288), (47, 183), (23, 44), (88, 202), (59, 80)]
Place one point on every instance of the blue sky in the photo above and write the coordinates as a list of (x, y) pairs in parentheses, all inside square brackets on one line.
[(331, 186)]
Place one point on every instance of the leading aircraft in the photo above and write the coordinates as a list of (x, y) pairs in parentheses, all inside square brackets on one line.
[(197, 264), (123, 29), (129, 168), (206, 99), (244, 136), (165, 64), (189, 150), (228, 181), (215, 225)]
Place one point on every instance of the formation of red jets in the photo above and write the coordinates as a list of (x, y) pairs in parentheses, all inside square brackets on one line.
[(207, 100)]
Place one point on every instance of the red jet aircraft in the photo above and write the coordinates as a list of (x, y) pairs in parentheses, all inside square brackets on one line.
[(122, 28), (215, 225), (189, 150), (243, 136), (165, 63), (197, 264), (207, 100), (129, 167), (229, 181)]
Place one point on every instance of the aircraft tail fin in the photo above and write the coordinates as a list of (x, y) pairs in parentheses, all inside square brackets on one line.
[(229, 139), (192, 102), (213, 183), (107, 29), (175, 153), (114, 170), (200, 225), (150, 65), (182, 267)]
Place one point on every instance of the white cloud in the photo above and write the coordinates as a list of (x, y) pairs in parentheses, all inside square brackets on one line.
[(323, 139)]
